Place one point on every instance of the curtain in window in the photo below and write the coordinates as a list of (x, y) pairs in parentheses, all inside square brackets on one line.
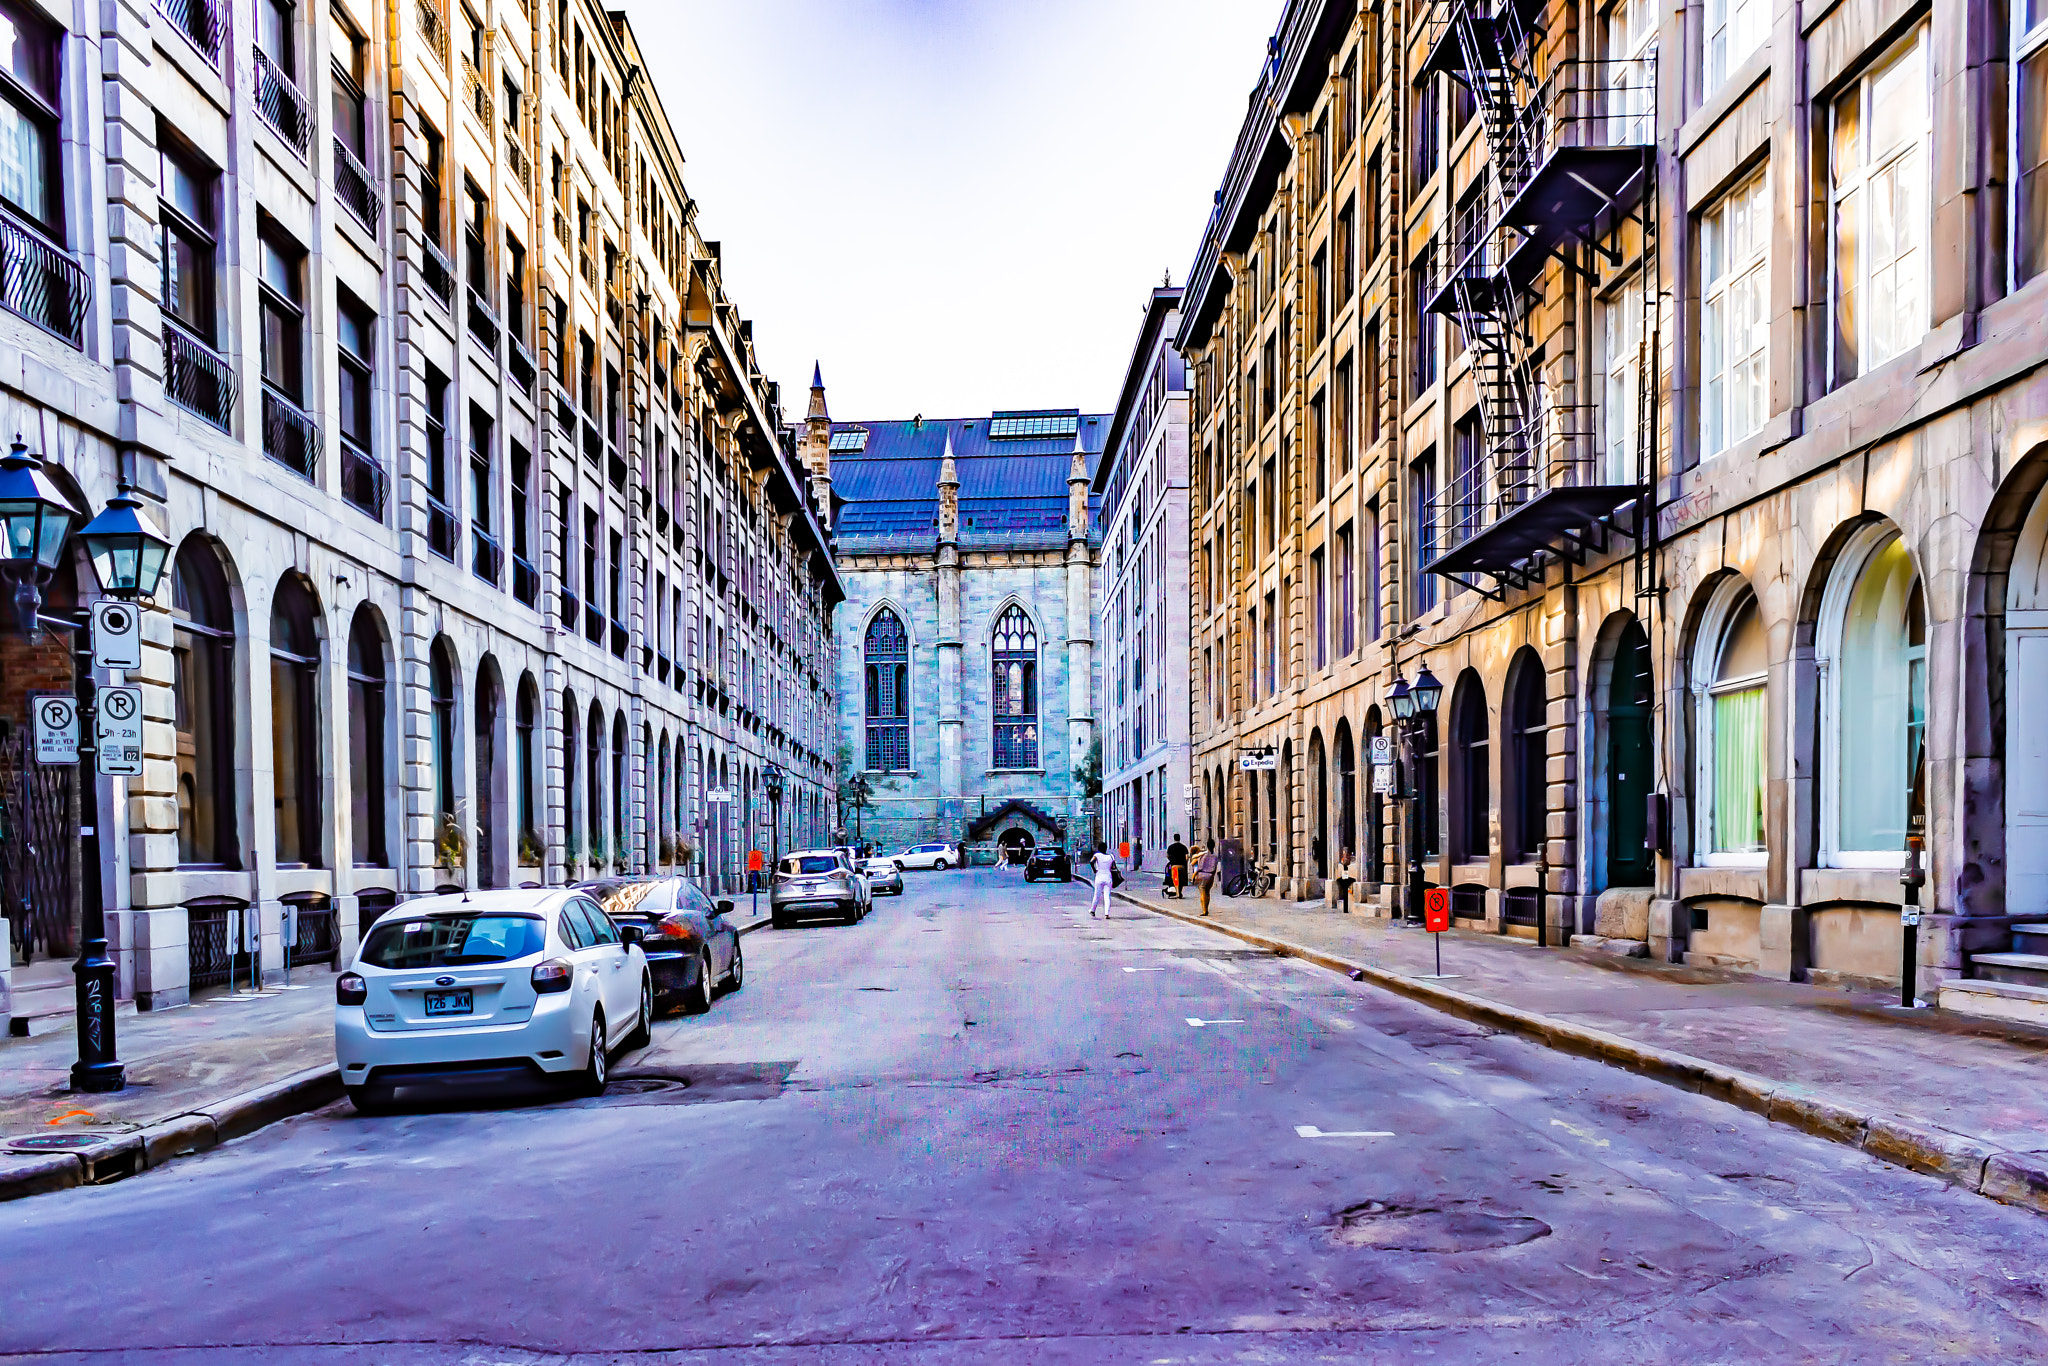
[(1877, 706), (1739, 771)]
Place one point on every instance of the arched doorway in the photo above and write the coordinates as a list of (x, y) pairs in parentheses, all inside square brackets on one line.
[(1016, 844), (1631, 760), (1319, 766)]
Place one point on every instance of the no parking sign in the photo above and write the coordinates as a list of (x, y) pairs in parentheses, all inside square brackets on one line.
[(1436, 910)]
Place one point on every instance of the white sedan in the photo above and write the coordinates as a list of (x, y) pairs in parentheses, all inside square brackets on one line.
[(487, 989), (940, 856)]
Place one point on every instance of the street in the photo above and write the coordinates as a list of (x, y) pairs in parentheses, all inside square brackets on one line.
[(981, 1126)]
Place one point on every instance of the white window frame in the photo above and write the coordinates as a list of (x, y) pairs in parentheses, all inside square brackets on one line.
[(1871, 169), (1730, 31), (1631, 33), (2026, 44), (1621, 340), (1834, 620), (1706, 663), (1722, 293)]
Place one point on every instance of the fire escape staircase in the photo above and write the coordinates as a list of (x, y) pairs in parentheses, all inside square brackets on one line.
[(1570, 160)]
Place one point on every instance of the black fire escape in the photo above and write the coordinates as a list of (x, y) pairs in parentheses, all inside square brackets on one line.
[(1570, 162)]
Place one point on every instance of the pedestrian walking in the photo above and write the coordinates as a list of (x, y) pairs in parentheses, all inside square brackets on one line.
[(1104, 864), (1177, 869), (1340, 885), (1205, 873)]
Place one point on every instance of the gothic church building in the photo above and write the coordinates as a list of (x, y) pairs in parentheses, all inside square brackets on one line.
[(966, 644)]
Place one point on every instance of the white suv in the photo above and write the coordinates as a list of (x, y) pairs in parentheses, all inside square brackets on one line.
[(486, 989), (925, 856)]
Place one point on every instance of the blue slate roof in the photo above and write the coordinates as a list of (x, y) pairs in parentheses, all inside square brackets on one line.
[(1013, 493)]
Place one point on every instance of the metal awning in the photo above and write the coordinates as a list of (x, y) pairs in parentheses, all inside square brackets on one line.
[(1579, 192), (1567, 522)]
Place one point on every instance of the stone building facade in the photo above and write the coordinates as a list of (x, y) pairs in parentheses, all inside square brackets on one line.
[(967, 668), (1682, 410), (492, 550), (1142, 573)]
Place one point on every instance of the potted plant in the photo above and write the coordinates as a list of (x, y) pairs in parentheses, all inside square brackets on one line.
[(532, 853), (451, 846)]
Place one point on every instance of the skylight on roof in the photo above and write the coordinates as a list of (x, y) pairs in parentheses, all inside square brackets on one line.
[(849, 439), (1032, 426)]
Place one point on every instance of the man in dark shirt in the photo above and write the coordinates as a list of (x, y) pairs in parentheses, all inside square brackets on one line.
[(1176, 869)]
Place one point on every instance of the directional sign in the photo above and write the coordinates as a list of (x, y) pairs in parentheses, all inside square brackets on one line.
[(116, 636), (55, 725), (1381, 749), (1436, 910), (120, 732)]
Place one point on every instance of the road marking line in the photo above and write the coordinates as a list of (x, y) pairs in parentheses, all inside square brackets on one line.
[(1144, 969), (1576, 1132), (1311, 1131), (1199, 1023)]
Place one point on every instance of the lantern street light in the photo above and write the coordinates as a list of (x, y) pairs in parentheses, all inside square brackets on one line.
[(128, 554), (857, 797), (771, 784), (1414, 713)]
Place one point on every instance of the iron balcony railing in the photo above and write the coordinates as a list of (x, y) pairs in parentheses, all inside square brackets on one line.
[(515, 159), (593, 623), (486, 556), (281, 105), (290, 437), (619, 639), (593, 443), (200, 21), (483, 323), (440, 528), (1552, 449), (438, 272), (362, 479), (571, 607), (525, 581), (1587, 105), (521, 363), (198, 378), (42, 282), (565, 413), (433, 27), (356, 186), (562, 229), (479, 91)]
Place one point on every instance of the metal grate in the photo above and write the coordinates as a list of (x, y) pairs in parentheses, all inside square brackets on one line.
[(319, 935), (1518, 906), (210, 939), (35, 862)]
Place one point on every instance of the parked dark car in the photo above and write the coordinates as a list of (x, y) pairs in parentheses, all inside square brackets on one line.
[(1049, 860), (692, 946)]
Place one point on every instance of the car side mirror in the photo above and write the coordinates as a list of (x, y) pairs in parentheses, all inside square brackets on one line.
[(723, 907), (630, 935)]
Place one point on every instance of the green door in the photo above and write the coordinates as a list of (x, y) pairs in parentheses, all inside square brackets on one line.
[(1631, 762)]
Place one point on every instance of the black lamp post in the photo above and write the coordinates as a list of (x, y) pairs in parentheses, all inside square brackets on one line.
[(857, 797), (771, 784), (128, 555), (1414, 712)]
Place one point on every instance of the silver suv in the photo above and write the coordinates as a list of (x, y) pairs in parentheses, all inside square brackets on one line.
[(813, 883)]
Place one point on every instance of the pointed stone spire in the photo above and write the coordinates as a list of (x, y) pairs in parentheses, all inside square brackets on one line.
[(816, 446), (818, 408), (1077, 490), (949, 493)]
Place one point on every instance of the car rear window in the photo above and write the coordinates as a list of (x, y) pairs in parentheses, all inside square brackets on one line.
[(810, 863), (640, 897), (451, 940)]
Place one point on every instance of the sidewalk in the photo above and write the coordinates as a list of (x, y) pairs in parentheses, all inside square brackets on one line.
[(1841, 1053)]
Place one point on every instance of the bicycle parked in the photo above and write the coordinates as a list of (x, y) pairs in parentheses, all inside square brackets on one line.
[(1253, 881)]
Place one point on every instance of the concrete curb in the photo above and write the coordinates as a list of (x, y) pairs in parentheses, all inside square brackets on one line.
[(125, 1154), (1972, 1163)]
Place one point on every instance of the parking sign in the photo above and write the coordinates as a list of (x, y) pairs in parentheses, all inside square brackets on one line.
[(54, 721), (120, 732)]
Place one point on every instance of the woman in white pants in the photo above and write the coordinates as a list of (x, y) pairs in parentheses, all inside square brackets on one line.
[(1104, 864)]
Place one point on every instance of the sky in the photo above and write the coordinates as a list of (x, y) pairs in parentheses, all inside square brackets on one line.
[(954, 206)]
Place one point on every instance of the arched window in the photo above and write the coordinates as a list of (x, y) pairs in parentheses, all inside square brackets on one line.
[(1528, 735), (528, 815), (572, 853), (488, 706), (887, 653), (1473, 752), (367, 796), (1735, 751), (1014, 655), (441, 693), (1631, 761), (664, 820), (295, 723), (203, 689), (1879, 686), (1371, 846)]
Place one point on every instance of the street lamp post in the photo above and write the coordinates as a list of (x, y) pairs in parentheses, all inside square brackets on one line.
[(128, 555), (857, 792), (1414, 712), (771, 784)]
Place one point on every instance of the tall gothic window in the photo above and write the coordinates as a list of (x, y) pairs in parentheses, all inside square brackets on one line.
[(1015, 690), (888, 693)]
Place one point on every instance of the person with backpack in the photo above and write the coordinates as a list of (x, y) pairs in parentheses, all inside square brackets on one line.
[(1104, 865), (1205, 873)]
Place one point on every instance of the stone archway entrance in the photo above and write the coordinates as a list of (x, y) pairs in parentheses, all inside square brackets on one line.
[(1631, 760), (1016, 844)]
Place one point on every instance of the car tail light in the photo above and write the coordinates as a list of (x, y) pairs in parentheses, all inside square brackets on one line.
[(350, 989), (554, 975), (671, 927), (839, 875)]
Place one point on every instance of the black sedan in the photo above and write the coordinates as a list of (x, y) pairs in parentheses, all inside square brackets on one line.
[(692, 946), (1049, 860)]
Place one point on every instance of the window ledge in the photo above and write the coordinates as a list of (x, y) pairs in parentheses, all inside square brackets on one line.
[(1735, 87), (1014, 772)]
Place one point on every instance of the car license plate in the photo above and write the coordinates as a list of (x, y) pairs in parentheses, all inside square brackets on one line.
[(451, 1002)]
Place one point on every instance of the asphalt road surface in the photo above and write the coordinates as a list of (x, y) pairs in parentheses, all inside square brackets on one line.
[(981, 1127)]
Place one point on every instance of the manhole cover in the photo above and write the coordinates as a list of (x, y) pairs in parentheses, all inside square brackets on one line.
[(1403, 1228), (644, 1086), (54, 1143), (697, 1084)]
